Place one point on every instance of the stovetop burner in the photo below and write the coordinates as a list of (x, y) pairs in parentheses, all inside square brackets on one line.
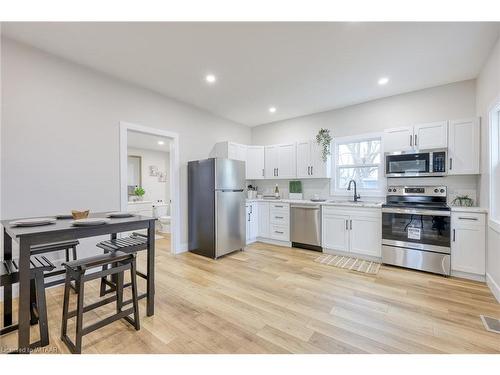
[(422, 197)]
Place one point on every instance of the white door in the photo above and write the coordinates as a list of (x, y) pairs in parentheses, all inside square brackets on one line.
[(271, 157), (319, 168), (255, 162), (431, 135), (366, 235), (468, 248), (398, 139), (263, 219), (463, 146), (304, 159), (287, 161), (335, 232)]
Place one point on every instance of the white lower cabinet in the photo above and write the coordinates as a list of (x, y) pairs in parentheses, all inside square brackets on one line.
[(273, 221), (263, 222), (468, 249), (335, 231), (252, 221), (354, 230)]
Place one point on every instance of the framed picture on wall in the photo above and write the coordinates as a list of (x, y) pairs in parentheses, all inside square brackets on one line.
[(153, 170)]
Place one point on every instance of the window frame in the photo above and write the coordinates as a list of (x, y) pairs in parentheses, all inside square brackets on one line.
[(334, 190)]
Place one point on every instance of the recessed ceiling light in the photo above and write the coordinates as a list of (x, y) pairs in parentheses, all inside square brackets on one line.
[(383, 81), (272, 109), (210, 78), (161, 143)]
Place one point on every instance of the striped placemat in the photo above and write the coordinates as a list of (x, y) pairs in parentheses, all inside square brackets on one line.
[(349, 263)]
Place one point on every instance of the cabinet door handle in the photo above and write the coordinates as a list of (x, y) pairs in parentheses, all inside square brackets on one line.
[(451, 163), (278, 206), (350, 222), (467, 218), (262, 172), (346, 225), (453, 235), (248, 216), (415, 140), (277, 231), (411, 140), (278, 217), (251, 209), (277, 171), (311, 170), (308, 171)]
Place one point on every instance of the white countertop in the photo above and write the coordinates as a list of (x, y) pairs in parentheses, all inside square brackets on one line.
[(333, 202), (477, 210), (140, 202)]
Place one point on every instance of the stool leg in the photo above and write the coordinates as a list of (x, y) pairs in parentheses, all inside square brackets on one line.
[(33, 305), (119, 292), (42, 309), (64, 323), (79, 317), (102, 292), (133, 280)]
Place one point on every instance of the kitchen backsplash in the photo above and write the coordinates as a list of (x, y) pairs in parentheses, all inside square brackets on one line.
[(457, 185)]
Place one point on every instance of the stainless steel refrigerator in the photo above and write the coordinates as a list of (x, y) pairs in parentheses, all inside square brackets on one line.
[(216, 206)]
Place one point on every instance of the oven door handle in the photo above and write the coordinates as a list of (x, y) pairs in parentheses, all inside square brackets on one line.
[(414, 211)]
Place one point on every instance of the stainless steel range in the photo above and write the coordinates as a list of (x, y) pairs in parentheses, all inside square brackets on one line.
[(416, 228)]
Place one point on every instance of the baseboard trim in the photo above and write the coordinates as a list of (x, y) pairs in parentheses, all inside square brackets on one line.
[(468, 276), (183, 248), (494, 287), (274, 242)]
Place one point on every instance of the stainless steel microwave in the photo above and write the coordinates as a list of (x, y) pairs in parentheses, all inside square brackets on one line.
[(430, 163)]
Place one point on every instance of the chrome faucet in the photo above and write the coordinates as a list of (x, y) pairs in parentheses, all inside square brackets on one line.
[(356, 196)]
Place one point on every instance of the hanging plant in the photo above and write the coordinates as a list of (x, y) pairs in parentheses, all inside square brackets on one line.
[(324, 139)]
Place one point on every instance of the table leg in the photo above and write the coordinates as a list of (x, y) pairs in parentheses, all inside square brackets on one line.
[(7, 291), (24, 296), (151, 269)]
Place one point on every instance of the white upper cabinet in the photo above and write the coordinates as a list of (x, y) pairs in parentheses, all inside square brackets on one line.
[(431, 135), (271, 158), (319, 167), (310, 162), (419, 137), (255, 162), (237, 151), (280, 161), (398, 139), (304, 159), (464, 146)]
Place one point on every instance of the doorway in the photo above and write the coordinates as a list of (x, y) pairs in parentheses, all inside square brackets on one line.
[(149, 177)]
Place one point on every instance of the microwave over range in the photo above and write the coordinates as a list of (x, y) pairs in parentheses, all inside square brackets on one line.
[(424, 163)]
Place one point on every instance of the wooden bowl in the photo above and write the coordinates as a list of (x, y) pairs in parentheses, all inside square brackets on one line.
[(80, 214)]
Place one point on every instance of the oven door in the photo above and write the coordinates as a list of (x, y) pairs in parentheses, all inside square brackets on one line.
[(419, 229), (401, 165)]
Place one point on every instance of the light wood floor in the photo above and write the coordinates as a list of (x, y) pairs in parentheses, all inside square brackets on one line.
[(271, 299)]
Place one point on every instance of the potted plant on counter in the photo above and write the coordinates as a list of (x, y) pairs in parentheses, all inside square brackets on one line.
[(139, 193)]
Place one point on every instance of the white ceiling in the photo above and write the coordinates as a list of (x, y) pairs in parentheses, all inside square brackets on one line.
[(147, 141), (300, 68)]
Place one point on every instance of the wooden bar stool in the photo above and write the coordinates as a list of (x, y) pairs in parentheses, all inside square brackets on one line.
[(69, 247), (118, 262), (9, 275), (136, 242)]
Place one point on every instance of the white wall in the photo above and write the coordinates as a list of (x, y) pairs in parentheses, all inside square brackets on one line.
[(451, 101), (60, 141), (488, 93), (155, 190)]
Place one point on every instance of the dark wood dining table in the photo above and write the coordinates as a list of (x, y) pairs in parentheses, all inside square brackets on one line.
[(64, 230)]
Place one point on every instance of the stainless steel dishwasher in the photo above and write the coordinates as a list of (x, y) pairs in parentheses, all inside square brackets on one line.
[(305, 226)]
